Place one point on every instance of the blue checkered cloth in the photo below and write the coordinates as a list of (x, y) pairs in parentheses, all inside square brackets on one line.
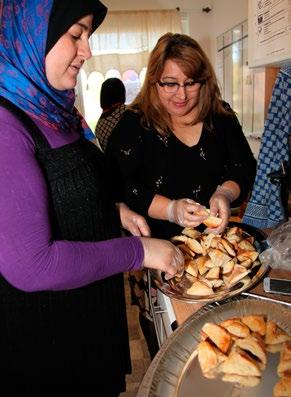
[(264, 209)]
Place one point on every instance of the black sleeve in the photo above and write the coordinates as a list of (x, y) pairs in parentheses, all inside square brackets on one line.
[(125, 156), (240, 164)]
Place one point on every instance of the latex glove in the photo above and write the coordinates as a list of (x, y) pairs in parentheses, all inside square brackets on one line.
[(220, 203), (162, 255), (184, 212), (132, 221)]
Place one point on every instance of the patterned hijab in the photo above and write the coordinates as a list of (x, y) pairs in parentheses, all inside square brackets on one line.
[(29, 29)]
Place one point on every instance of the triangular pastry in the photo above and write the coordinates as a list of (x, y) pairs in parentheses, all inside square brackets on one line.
[(195, 246), (274, 348), (246, 245), (240, 363), (236, 327), (218, 335), (249, 381), (275, 334), (238, 272), (200, 289), (209, 358), (218, 257), (228, 247), (191, 267), (283, 388), (285, 359), (190, 232), (256, 323), (243, 255), (213, 273), (253, 345)]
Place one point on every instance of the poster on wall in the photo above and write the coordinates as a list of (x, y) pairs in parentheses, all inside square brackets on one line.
[(269, 31)]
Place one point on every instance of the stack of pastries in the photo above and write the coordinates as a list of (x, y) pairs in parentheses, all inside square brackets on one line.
[(236, 350), (283, 386), (216, 262)]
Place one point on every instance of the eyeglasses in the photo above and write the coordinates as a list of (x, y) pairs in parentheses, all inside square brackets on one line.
[(171, 87)]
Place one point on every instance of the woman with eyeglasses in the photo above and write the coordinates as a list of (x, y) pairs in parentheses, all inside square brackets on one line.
[(179, 146)]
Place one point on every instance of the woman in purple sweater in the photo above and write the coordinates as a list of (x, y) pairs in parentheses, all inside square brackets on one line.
[(63, 323)]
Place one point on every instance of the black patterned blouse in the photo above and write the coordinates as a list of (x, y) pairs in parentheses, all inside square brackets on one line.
[(145, 163), (107, 122)]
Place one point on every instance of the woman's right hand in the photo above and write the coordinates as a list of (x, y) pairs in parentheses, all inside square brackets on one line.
[(162, 255), (186, 212)]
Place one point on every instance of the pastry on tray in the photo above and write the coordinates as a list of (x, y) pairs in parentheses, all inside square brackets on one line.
[(216, 262), (236, 351)]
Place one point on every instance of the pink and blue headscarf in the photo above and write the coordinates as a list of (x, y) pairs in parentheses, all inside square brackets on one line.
[(29, 29)]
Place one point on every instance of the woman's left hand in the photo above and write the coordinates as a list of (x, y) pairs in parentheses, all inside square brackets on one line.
[(220, 206), (132, 221)]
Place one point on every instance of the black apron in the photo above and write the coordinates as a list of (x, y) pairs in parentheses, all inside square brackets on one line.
[(73, 341)]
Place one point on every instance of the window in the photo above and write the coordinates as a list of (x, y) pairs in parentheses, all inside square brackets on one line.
[(132, 84), (91, 86), (120, 48), (242, 87)]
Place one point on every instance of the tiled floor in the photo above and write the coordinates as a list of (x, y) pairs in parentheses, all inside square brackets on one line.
[(140, 358)]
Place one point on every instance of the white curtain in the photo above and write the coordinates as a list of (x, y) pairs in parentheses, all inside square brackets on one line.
[(122, 43), (125, 39)]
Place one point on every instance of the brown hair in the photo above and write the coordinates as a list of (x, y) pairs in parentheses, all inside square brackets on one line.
[(188, 54)]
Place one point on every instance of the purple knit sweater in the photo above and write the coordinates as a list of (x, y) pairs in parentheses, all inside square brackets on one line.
[(29, 257)]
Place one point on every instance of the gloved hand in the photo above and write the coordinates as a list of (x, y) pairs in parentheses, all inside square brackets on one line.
[(220, 203), (162, 255), (184, 212)]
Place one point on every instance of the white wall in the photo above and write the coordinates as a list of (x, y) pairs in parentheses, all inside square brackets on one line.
[(115, 5), (203, 27), (226, 14), (200, 28)]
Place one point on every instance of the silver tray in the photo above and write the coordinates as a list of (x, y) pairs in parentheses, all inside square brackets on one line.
[(177, 290), (175, 371)]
